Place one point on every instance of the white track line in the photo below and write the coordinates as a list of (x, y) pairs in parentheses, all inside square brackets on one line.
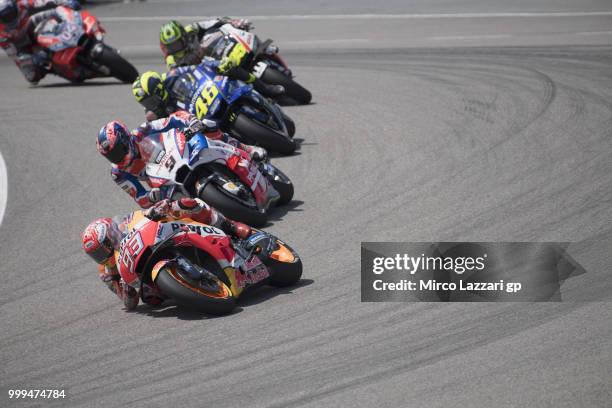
[(372, 16), (470, 37), (3, 187)]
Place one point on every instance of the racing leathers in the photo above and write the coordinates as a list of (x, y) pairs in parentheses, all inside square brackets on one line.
[(113, 231), (134, 180), (180, 83), (195, 49), (15, 36)]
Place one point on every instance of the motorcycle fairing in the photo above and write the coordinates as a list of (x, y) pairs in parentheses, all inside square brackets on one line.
[(140, 231), (170, 155)]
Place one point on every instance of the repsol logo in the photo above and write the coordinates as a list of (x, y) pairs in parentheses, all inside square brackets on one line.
[(198, 229)]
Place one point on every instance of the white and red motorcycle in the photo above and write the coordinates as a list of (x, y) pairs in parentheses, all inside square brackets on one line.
[(185, 165)]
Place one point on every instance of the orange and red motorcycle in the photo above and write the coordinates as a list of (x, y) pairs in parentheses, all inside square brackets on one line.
[(199, 266)]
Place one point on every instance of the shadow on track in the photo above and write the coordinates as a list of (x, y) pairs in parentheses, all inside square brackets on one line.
[(258, 295), (170, 309), (277, 213), (264, 293)]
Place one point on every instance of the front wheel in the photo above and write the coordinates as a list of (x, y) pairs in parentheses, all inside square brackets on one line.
[(256, 133), (293, 90), (285, 264), (290, 125), (213, 298), (283, 185), (119, 67)]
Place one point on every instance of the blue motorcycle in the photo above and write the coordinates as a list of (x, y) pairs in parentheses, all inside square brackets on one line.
[(236, 107)]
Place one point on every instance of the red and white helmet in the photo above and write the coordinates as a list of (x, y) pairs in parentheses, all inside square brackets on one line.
[(115, 143), (100, 239)]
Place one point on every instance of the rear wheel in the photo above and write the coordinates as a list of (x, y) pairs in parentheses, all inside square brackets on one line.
[(212, 298), (293, 90), (260, 134), (232, 208), (286, 266), (119, 67)]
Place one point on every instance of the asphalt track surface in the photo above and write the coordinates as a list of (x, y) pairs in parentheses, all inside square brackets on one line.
[(470, 128)]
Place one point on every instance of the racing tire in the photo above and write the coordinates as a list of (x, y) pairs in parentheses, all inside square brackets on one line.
[(187, 293), (231, 208), (293, 90), (119, 67), (290, 125), (263, 135), (286, 271), (284, 186)]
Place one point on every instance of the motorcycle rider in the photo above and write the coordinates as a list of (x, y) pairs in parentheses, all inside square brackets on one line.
[(17, 18), (155, 92), (101, 238), (125, 150), (181, 45)]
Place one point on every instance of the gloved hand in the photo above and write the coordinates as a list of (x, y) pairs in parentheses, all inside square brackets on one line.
[(154, 195), (242, 24), (186, 207), (195, 125), (158, 210), (107, 277)]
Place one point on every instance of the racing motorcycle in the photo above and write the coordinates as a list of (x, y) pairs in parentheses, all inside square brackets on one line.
[(237, 108), (199, 266), (184, 165), (258, 57), (74, 42)]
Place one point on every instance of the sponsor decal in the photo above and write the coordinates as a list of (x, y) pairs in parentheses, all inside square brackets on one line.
[(255, 272), (203, 230), (131, 247), (160, 155)]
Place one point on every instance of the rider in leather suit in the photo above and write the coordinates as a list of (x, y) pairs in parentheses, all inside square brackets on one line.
[(181, 45), (125, 150), (102, 237), (17, 18)]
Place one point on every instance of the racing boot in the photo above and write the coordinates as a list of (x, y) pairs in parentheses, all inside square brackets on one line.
[(269, 90), (257, 153)]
